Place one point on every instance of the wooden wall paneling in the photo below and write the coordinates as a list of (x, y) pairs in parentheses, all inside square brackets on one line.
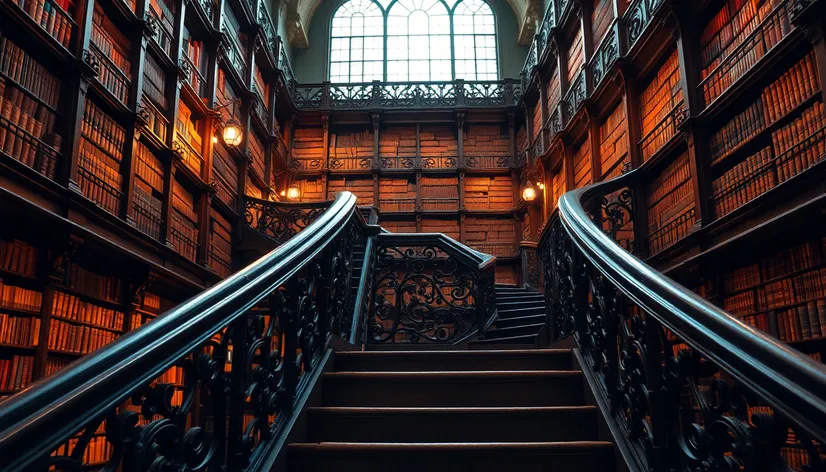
[(418, 159), (528, 112), (575, 56), (589, 42), (83, 18), (169, 174), (325, 146), (543, 105), (460, 139), (687, 52)]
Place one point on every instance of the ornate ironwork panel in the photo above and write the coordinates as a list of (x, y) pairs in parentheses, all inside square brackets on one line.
[(308, 96), (280, 222), (422, 293), (637, 18), (575, 97), (421, 94), (489, 94), (605, 56), (352, 95)]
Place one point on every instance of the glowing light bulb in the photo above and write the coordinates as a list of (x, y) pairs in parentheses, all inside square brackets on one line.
[(232, 134), (528, 194)]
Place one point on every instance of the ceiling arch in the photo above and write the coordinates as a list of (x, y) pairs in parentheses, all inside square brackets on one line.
[(300, 14)]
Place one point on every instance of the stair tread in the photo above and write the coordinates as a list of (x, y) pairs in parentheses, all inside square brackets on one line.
[(490, 446), (389, 410), (457, 353), (530, 338), (513, 328), (455, 375), (522, 318)]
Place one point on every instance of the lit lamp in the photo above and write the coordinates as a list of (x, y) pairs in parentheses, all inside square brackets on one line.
[(293, 193), (232, 133), (529, 193)]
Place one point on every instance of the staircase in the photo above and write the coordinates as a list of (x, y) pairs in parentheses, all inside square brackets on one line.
[(452, 411), (521, 317)]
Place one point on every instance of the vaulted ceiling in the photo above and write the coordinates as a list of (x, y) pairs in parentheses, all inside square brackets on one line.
[(300, 13)]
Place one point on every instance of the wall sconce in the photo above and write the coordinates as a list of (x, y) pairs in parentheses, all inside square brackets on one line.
[(293, 193), (528, 192), (233, 134)]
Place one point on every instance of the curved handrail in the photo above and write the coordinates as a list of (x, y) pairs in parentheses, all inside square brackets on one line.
[(456, 249), (39, 418), (790, 382), (281, 221)]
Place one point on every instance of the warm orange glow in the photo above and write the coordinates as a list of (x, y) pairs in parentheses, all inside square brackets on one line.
[(232, 134), (528, 194), (293, 193), (283, 193)]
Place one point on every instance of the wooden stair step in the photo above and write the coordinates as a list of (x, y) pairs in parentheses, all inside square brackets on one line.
[(452, 457), (444, 389), (519, 321), (422, 361), (445, 425)]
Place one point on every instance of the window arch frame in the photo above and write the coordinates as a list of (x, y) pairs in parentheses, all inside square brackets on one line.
[(385, 13)]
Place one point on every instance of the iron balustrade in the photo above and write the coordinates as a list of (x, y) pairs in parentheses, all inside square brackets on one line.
[(350, 163), (152, 119), (231, 51), (605, 56), (108, 74), (286, 70), (733, 66), (278, 221), (554, 124), (663, 132), (574, 97), (687, 385), (34, 153), (531, 61), (247, 346), (429, 288), (264, 19), (637, 18), (226, 193), (193, 76), (159, 32), (545, 31), (481, 162)]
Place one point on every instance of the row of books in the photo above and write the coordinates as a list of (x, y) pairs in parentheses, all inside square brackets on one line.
[(808, 152), (77, 339), (739, 129), (148, 210), (794, 259), (19, 298), (184, 235), (28, 73), (154, 81), (54, 364), (183, 201), (175, 376), (103, 131), (811, 120), (744, 182), (256, 149), (52, 16), (99, 178), (792, 88), (19, 257), (149, 168), (98, 451), (71, 307), (742, 278), (797, 457), (807, 321), (662, 94), (19, 330), (100, 286), (16, 373), (107, 44), (24, 122), (220, 243), (726, 65)]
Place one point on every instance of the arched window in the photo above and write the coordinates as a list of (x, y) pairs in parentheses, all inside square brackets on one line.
[(426, 40), (474, 41), (357, 43)]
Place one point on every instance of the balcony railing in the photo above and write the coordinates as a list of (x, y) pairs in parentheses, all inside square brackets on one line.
[(485, 162), (637, 18), (554, 124), (439, 162), (350, 163), (190, 156), (264, 19), (543, 35), (745, 55), (193, 76), (226, 193), (397, 162), (395, 95), (153, 119), (575, 97), (605, 56), (161, 34), (531, 60), (663, 132), (28, 149), (232, 52), (287, 70), (110, 75)]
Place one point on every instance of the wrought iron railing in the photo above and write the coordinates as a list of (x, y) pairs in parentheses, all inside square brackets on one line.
[(188, 154), (280, 222), (160, 32), (109, 75), (193, 76), (531, 60), (232, 51), (428, 288), (687, 385), (637, 18), (152, 118), (555, 124), (671, 232), (574, 97), (33, 152), (543, 35), (605, 56), (248, 347), (287, 70), (264, 19)]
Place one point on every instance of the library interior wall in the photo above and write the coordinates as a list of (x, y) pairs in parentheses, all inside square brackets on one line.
[(310, 64)]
